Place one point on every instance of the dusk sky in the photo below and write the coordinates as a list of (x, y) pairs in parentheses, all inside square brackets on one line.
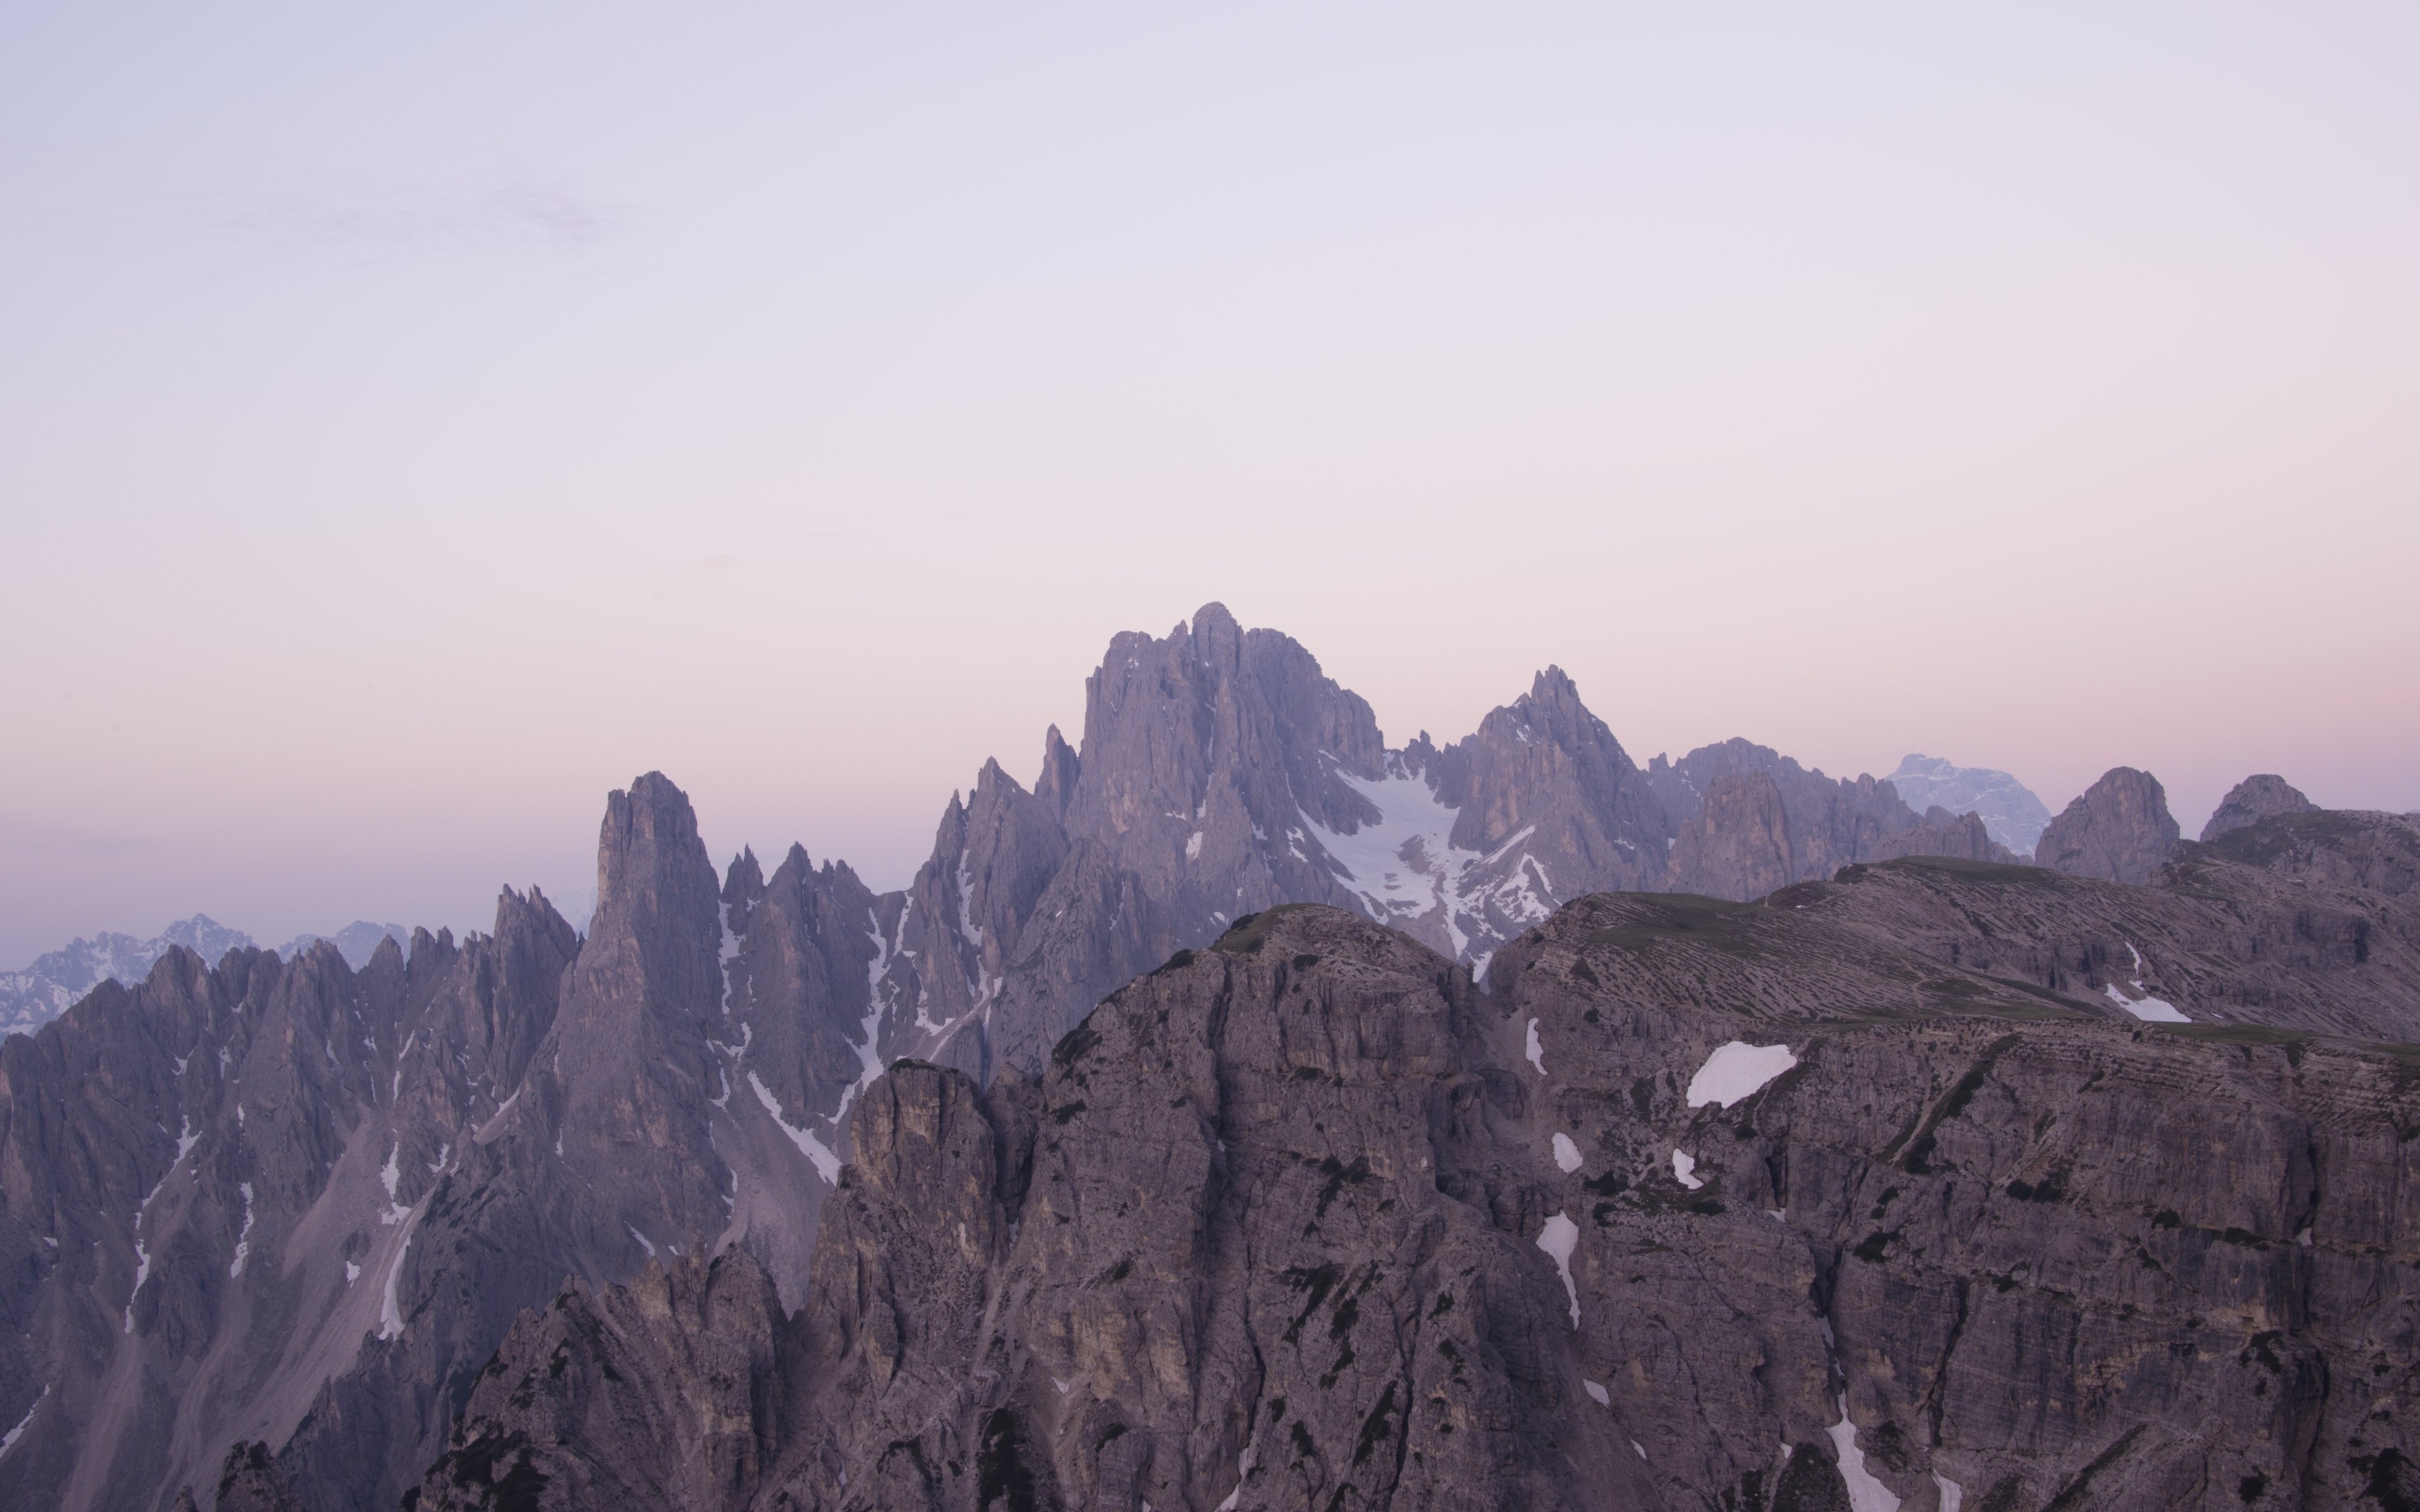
[(418, 421)]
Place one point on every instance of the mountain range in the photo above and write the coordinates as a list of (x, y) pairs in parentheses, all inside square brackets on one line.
[(1250, 1112), (44, 990)]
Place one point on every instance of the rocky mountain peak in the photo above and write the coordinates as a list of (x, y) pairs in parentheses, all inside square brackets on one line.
[(2118, 829), (2254, 799), (1059, 767), (657, 898), (1218, 639), (743, 884), (1546, 769)]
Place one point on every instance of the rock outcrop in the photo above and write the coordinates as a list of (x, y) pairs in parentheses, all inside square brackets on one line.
[(2255, 798), (2118, 830), (2367, 851)]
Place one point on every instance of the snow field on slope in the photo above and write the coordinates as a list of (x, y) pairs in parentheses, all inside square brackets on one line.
[(1406, 867), (1738, 1069), (1560, 1239)]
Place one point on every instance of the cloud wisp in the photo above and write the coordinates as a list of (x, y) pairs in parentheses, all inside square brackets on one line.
[(360, 219)]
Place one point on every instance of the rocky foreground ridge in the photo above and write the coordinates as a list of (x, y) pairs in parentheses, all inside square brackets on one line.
[(296, 1207), (1702, 1205)]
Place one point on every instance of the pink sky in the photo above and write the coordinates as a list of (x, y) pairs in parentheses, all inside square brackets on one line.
[(420, 424)]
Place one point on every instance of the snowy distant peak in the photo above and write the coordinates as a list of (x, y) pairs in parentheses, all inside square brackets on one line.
[(357, 942), (2010, 811), (44, 990), (205, 936)]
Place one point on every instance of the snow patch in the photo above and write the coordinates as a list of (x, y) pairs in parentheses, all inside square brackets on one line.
[(1536, 1051), (2142, 1005), (730, 953), (1193, 846), (1685, 1170), (645, 1242), (395, 1212), (1597, 1393), (1567, 1155), (186, 1139), (243, 1236), (827, 1163), (391, 1315), (869, 1049), (1404, 868), (2146, 1008), (1640, 1447), (967, 925), (8, 1440), (484, 1134), (1950, 1494), (1866, 1495), (1737, 1071), (352, 1272), (1559, 1238)]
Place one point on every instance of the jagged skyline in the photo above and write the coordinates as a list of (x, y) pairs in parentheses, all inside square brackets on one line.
[(421, 423)]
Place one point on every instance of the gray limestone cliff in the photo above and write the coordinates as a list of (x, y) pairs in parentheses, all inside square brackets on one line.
[(2120, 829), (2253, 800), (1701, 1205)]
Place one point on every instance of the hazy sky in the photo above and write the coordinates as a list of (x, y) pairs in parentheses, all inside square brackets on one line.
[(415, 421)]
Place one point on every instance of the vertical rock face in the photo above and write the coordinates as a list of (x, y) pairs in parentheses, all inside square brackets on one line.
[(251, 1483), (628, 1064), (2254, 799), (2120, 831), (713, 1330), (1738, 844)]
